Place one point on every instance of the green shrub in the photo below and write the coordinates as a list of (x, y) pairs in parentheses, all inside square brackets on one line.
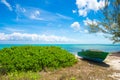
[(34, 58), (21, 76)]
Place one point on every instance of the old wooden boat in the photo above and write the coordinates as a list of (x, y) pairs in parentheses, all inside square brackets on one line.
[(94, 55)]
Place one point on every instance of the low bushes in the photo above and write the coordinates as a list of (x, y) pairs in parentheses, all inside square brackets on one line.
[(34, 58)]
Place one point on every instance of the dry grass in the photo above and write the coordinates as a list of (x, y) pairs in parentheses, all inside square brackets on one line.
[(83, 70)]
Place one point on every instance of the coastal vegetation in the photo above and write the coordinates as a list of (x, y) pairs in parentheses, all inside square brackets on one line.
[(37, 62), (82, 70), (110, 21), (34, 58)]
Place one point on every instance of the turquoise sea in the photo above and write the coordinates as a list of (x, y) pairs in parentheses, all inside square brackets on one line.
[(74, 48)]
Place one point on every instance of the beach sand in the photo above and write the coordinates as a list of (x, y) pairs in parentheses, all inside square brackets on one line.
[(114, 61), (87, 70)]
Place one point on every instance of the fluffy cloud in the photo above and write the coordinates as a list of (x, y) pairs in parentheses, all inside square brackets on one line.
[(35, 15), (75, 26), (86, 5), (7, 4), (32, 37), (88, 21)]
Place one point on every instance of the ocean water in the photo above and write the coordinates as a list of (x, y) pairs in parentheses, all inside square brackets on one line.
[(73, 48)]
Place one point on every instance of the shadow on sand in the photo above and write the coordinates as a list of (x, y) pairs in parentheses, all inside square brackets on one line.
[(102, 64)]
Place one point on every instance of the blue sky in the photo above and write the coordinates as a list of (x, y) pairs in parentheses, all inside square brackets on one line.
[(50, 21)]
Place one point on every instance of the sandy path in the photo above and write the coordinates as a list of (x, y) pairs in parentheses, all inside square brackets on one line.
[(114, 62)]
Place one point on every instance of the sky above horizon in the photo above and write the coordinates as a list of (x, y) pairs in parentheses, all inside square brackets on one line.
[(50, 21)]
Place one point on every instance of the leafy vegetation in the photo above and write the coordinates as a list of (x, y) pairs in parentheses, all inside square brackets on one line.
[(82, 70), (34, 58), (21, 76), (109, 21)]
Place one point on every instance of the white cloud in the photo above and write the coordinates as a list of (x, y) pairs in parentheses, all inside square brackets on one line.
[(82, 12), (26, 13), (100, 34), (20, 9), (32, 37), (86, 31), (74, 11), (75, 26), (7, 4), (86, 5), (88, 21), (35, 15), (63, 17), (38, 14), (13, 29)]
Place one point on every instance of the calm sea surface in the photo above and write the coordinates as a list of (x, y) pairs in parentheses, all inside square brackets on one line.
[(74, 48)]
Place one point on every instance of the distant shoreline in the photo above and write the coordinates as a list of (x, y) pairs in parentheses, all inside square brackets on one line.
[(53, 44), (74, 47)]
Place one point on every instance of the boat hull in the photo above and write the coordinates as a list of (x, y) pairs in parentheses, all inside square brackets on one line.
[(97, 56)]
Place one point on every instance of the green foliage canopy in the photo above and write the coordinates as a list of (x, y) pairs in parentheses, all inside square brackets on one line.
[(34, 58), (110, 20)]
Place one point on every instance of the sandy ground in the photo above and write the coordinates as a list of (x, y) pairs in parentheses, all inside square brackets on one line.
[(114, 61)]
